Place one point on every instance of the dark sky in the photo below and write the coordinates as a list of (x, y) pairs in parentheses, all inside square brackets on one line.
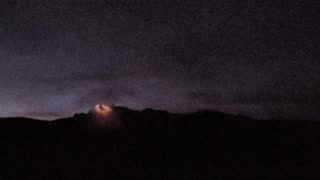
[(259, 58)]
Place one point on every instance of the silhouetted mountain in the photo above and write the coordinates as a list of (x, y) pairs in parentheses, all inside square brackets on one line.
[(153, 144)]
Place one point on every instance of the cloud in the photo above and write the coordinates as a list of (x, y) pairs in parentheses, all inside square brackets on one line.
[(42, 115), (259, 103), (273, 97), (207, 98), (170, 55), (105, 94)]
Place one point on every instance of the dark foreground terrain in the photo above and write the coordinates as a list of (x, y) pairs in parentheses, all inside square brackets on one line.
[(153, 144)]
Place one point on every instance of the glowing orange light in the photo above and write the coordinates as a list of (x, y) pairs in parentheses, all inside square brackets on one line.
[(102, 115), (102, 110)]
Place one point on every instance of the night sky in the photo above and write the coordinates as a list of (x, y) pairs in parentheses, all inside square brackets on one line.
[(258, 58)]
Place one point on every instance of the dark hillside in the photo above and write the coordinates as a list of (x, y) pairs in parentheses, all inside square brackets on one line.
[(154, 144)]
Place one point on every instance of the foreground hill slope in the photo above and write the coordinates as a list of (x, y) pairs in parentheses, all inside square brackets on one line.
[(152, 144)]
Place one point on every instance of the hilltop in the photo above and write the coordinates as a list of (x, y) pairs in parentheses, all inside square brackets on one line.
[(152, 144)]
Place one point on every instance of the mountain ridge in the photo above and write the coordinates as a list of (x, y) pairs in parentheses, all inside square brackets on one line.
[(151, 144)]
